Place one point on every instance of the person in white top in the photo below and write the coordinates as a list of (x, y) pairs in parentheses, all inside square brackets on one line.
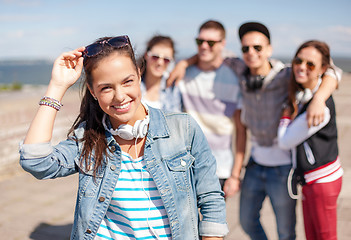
[(315, 149)]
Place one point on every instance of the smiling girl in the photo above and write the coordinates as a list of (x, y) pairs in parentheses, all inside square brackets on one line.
[(159, 60), (143, 173), (315, 149)]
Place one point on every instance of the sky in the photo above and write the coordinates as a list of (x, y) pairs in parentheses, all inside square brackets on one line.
[(42, 29)]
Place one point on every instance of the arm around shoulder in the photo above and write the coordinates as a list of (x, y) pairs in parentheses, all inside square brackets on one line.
[(179, 70), (330, 81)]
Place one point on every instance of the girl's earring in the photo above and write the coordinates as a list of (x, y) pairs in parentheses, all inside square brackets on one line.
[(95, 98)]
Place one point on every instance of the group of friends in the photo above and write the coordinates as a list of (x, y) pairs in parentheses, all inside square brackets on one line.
[(159, 146)]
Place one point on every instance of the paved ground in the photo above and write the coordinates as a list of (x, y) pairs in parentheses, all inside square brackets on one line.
[(43, 210)]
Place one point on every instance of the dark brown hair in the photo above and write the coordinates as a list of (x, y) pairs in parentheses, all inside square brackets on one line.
[(211, 24), (94, 141), (321, 47), (159, 39)]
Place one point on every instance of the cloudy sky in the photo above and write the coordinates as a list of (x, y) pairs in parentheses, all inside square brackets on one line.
[(42, 29)]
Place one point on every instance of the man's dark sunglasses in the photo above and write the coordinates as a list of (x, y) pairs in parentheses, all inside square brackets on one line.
[(245, 49), (94, 49), (210, 43)]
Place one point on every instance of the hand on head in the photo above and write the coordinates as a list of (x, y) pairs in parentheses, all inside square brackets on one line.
[(67, 68)]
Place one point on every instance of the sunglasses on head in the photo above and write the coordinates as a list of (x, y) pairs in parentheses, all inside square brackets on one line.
[(245, 49), (310, 65), (155, 57), (210, 43), (94, 49)]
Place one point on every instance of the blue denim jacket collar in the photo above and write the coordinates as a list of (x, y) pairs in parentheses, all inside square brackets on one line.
[(158, 125)]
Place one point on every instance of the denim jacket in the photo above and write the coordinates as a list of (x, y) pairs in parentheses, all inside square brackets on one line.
[(176, 155)]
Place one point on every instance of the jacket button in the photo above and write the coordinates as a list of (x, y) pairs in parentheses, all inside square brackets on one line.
[(88, 231), (101, 199), (113, 167), (183, 163), (113, 148)]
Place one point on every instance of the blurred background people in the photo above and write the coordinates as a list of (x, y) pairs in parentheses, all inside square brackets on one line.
[(315, 149), (264, 88), (211, 94), (159, 60)]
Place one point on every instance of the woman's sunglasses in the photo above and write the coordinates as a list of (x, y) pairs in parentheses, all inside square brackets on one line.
[(210, 43), (94, 49), (156, 57), (245, 49), (310, 65)]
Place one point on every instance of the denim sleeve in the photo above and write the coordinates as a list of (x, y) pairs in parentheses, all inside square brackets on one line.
[(210, 198), (44, 161)]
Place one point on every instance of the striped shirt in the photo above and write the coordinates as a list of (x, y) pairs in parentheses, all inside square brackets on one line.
[(326, 173), (211, 98), (136, 209)]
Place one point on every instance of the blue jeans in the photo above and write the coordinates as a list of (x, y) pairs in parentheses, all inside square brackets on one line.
[(259, 182)]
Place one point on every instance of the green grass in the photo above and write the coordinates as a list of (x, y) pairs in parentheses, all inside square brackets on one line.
[(15, 86)]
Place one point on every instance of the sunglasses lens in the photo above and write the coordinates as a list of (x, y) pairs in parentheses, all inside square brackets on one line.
[(310, 66), (95, 48), (211, 43), (199, 41), (155, 57), (245, 49), (118, 41), (297, 61), (92, 50), (258, 48)]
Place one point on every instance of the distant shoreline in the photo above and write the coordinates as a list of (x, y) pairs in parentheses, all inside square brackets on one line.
[(38, 72)]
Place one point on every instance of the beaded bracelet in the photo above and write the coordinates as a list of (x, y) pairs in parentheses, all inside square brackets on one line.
[(51, 102)]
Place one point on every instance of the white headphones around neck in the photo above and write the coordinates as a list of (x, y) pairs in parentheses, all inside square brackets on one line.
[(128, 132), (303, 96)]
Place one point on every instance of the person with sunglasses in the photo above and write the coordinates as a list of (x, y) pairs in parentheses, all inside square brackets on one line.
[(315, 149), (143, 173), (264, 88), (159, 60), (211, 94)]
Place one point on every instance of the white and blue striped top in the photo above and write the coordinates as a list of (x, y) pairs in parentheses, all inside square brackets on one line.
[(135, 207)]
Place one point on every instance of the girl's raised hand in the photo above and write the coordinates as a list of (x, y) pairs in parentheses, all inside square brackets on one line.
[(67, 68)]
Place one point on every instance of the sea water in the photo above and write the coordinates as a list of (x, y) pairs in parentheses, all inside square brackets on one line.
[(39, 72)]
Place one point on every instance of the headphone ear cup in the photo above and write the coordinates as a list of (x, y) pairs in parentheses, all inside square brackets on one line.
[(299, 96), (125, 131), (254, 82), (304, 96), (136, 132), (308, 95), (142, 129)]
